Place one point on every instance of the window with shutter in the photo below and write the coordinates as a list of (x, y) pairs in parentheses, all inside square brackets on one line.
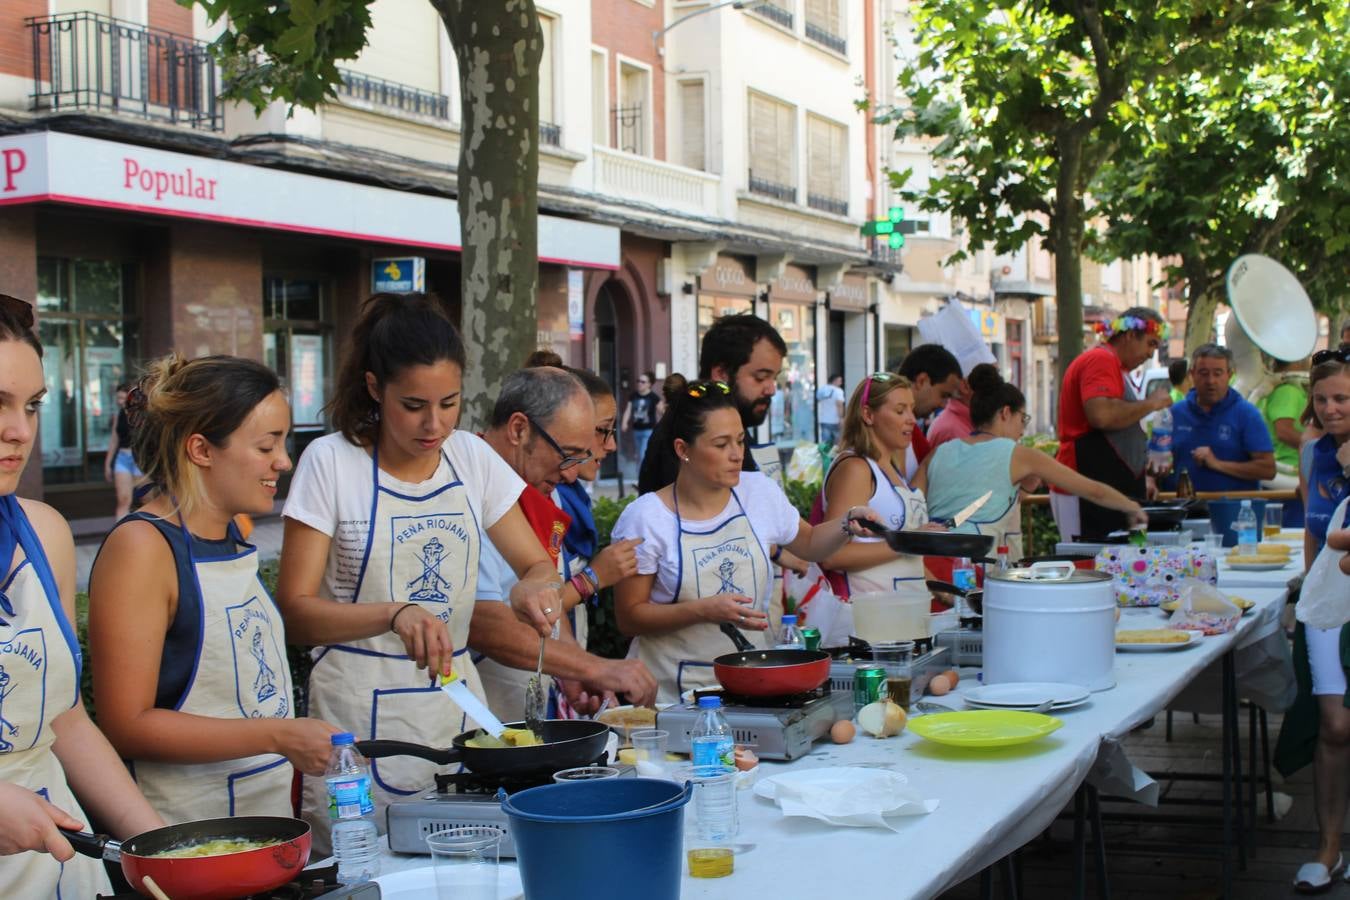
[(825, 24), (773, 156), (826, 155), (693, 133), (549, 131)]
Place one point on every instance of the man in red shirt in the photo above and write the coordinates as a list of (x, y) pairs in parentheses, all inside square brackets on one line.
[(1099, 414)]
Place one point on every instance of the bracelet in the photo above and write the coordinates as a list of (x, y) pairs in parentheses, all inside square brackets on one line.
[(401, 610), (777, 552), (592, 578), (585, 590)]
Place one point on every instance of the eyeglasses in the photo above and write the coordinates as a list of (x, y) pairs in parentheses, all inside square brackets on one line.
[(1340, 354), (1026, 419), (606, 434), (18, 309), (701, 389), (883, 377), (567, 462)]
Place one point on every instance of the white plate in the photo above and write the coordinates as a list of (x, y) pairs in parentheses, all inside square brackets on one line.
[(1256, 566), (420, 883), (1027, 695), (1057, 707), (1153, 648)]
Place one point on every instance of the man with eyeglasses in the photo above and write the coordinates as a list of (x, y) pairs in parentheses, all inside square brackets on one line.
[(543, 425), (1217, 431)]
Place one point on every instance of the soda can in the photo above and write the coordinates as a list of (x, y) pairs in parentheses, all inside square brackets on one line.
[(869, 685), (811, 638)]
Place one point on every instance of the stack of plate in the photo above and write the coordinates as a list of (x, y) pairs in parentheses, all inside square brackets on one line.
[(1027, 695)]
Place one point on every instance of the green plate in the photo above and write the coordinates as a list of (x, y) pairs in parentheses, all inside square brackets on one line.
[(984, 728)]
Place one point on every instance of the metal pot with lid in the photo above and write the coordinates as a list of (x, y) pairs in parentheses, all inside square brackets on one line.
[(1050, 622)]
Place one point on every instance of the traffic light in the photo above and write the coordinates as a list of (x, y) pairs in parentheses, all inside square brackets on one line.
[(886, 227)]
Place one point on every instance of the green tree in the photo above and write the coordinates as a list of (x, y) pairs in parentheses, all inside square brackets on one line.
[(1249, 158), (1029, 99), (287, 50)]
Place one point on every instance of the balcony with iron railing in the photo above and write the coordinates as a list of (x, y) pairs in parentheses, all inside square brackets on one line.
[(393, 97), (87, 61), (828, 204), (767, 188), (826, 38)]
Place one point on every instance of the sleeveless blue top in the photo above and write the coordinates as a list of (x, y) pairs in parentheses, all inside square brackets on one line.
[(1327, 487)]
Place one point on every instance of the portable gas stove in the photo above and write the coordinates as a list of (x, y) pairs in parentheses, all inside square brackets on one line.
[(318, 881), (460, 799), (774, 727)]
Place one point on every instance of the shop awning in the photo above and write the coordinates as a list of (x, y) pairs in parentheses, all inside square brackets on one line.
[(65, 168)]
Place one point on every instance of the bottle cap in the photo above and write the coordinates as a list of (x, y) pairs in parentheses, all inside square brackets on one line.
[(342, 738), (789, 620), (1003, 550), (709, 702)]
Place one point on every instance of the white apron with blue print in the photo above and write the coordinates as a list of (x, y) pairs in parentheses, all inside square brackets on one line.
[(728, 559), (902, 508), (769, 462), (419, 549), (39, 680), (241, 672)]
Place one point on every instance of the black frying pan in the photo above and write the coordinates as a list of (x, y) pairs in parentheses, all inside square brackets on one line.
[(975, 547), (567, 743)]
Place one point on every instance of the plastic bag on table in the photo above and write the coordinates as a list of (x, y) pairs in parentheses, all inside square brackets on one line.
[(1204, 608), (1324, 598), (817, 606)]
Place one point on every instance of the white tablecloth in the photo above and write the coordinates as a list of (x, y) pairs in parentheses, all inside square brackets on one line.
[(991, 802)]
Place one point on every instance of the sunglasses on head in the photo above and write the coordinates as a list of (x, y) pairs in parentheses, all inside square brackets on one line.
[(1340, 354), (19, 309), (883, 377), (701, 389)]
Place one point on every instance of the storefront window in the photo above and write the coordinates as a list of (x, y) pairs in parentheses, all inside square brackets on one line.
[(297, 345), (712, 307), (88, 335), (792, 416)]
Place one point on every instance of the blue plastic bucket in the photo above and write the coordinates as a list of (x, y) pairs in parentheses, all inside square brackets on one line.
[(601, 839), (1223, 513)]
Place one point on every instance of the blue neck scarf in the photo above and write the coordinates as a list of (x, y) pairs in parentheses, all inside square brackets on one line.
[(581, 537)]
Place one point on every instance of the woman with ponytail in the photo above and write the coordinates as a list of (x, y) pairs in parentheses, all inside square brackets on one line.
[(190, 670), (54, 763), (704, 557), (993, 459)]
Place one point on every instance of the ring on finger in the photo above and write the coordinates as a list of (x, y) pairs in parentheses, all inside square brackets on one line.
[(547, 610)]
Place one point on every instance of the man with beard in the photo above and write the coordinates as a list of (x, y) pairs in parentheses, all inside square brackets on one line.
[(935, 375), (746, 353)]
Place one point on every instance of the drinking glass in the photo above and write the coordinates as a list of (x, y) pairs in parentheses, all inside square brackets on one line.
[(585, 773), (465, 862), (649, 746), (1214, 545), (1274, 520)]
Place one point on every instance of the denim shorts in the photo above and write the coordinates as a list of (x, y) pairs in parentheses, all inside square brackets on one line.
[(124, 462)]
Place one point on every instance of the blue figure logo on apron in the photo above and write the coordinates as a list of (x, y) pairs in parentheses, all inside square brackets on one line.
[(422, 545), (23, 688), (715, 568), (257, 660)]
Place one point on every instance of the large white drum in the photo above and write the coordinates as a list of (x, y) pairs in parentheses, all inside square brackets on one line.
[(1050, 622)]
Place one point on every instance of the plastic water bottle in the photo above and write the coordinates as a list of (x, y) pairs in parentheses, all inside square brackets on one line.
[(713, 745), (356, 840), (963, 574), (1246, 528), (789, 638), (1160, 444)]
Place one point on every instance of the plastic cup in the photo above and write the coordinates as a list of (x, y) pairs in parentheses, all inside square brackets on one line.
[(892, 653), (465, 860), (649, 746), (1214, 544), (1274, 519), (585, 773)]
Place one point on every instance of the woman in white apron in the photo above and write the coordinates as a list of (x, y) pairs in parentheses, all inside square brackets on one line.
[(704, 557), (878, 424), (380, 560), (190, 671), (993, 460), (48, 745)]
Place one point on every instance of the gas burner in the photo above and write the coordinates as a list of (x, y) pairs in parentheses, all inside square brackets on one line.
[(781, 701), (313, 882), (467, 782)]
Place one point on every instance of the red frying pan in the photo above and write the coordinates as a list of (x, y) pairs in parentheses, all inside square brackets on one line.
[(217, 877), (769, 673)]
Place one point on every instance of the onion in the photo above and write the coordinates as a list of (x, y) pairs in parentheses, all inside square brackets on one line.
[(882, 719)]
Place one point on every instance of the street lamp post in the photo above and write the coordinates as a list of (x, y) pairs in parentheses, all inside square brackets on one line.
[(734, 4)]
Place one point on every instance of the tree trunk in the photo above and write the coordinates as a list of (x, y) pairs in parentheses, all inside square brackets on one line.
[(498, 47), (1201, 302), (1066, 234)]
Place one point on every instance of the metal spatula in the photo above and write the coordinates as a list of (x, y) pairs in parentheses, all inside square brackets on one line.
[(536, 698)]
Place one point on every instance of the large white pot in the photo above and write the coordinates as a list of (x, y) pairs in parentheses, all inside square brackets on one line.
[(1050, 622)]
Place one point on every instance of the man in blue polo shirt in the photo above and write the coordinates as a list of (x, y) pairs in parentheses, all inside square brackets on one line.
[(1220, 437)]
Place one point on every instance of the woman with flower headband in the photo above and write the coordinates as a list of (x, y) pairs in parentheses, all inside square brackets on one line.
[(53, 760), (704, 558), (1099, 415)]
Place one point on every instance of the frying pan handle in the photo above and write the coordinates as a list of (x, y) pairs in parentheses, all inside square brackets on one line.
[(944, 587), (99, 846), (742, 643), (874, 527), (381, 749)]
